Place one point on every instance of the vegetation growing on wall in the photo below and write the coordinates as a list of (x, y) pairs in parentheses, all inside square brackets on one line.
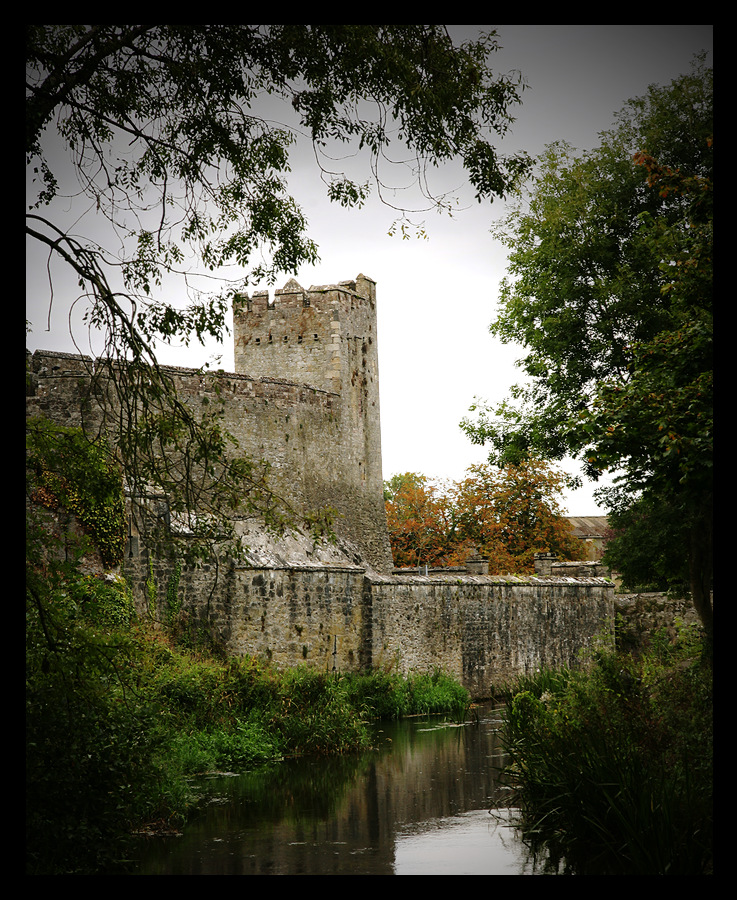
[(179, 176), (117, 714), (68, 472), (117, 717)]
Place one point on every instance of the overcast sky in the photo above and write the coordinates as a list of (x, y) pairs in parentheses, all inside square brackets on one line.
[(436, 297)]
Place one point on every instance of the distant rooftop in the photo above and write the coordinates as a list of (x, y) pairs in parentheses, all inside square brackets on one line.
[(588, 526)]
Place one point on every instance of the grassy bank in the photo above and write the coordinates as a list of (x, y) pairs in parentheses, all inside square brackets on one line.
[(612, 766), (239, 713), (118, 716)]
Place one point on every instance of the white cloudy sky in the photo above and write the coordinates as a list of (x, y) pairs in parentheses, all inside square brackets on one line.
[(436, 297)]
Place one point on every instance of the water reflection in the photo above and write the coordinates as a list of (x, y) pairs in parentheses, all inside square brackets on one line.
[(474, 843), (419, 804)]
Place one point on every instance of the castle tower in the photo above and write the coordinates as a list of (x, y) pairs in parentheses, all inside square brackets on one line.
[(325, 337)]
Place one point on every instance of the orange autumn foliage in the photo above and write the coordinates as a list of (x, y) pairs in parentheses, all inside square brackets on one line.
[(420, 520), (507, 514)]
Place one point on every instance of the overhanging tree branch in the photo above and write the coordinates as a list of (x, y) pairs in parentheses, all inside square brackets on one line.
[(167, 132)]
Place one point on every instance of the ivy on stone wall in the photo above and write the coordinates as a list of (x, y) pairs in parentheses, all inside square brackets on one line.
[(68, 471), (173, 600)]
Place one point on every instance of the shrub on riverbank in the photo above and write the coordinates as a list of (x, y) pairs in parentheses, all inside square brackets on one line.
[(389, 695), (117, 717), (612, 766), (243, 713)]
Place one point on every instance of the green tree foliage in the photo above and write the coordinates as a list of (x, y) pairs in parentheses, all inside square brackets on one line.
[(90, 741), (180, 139), (609, 290), (644, 545), (68, 473)]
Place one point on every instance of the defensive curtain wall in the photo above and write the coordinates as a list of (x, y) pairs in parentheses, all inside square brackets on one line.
[(305, 396)]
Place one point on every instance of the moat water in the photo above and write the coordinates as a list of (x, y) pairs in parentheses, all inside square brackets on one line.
[(427, 801)]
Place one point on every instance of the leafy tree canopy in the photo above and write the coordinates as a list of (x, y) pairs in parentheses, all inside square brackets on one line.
[(644, 545), (514, 512), (179, 138), (592, 265), (610, 292), (507, 515), (170, 131), (64, 470), (421, 521)]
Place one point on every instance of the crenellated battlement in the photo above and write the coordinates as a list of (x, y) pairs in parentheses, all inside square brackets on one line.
[(294, 297), (304, 396), (324, 336)]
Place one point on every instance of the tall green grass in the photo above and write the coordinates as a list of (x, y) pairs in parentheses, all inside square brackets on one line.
[(385, 695), (612, 766), (244, 713)]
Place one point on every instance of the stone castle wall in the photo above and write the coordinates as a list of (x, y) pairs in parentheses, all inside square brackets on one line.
[(305, 397), (483, 630), (326, 337), (322, 441)]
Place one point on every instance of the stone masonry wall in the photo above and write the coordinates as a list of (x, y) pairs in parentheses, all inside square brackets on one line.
[(326, 337), (301, 430), (483, 630), (305, 397)]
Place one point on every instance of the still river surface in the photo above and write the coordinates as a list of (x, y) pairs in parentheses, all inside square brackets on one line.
[(428, 801)]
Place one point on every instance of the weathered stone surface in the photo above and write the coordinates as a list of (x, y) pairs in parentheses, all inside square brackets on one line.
[(481, 629), (640, 615), (305, 397)]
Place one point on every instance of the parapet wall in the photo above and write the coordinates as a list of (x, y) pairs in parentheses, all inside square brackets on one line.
[(483, 630)]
